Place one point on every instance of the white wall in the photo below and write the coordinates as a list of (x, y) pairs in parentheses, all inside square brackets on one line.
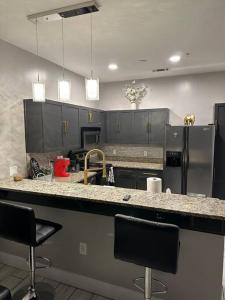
[(181, 94), (18, 69)]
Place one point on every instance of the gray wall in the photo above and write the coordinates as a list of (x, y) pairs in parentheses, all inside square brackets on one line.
[(18, 71), (181, 94)]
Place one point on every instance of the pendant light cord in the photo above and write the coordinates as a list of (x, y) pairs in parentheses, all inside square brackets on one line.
[(91, 26), (63, 50), (37, 45)]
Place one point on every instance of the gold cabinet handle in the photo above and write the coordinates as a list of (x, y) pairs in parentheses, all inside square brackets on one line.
[(67, 127), (64, 127), (151, 174), (90, 117)]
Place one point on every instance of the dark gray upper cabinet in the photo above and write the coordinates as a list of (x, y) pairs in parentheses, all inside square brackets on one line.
[(70, 126), (89, 117), (137, 127), (33, 127), (140, 127), (112, 127), (43, 126), (157, 120), (52, 126)]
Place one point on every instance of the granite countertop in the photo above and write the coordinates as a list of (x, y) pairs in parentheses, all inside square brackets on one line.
[(203, 207), (73, 178)]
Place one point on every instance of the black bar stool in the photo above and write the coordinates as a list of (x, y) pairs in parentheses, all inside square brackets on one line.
[(5, 293), (149, 244), (18, 224)]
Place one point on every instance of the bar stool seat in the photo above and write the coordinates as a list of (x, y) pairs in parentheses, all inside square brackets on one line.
[(44, 230), (148, 244), (5, 293)]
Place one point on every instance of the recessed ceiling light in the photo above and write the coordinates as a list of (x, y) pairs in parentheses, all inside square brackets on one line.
[(113, 67), (175, 58)]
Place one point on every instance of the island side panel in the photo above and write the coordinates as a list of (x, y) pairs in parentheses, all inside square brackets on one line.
[(200, 262)]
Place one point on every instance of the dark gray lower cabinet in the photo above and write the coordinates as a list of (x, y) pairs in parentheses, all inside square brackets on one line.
[(125, 178), (134, 178)]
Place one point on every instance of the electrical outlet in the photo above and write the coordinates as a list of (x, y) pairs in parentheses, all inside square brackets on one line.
[(145, 153), (114, 151), (83, 248), (13, 170)]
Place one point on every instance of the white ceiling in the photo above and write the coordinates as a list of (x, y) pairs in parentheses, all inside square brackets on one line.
[(125, 31)]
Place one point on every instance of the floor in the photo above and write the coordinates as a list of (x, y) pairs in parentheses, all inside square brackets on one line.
[(16, 279)]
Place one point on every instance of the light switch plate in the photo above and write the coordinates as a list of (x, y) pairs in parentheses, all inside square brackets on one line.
[(13, 170), (83, 248), (145, 153), (114, 151)]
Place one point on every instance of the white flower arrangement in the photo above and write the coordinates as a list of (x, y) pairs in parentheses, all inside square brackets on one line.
[(135, 92)]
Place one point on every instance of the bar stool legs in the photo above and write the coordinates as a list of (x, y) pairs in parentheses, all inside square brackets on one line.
[(31, 294), (148, 284)]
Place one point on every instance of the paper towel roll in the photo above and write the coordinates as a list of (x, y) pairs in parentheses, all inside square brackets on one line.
[(154, 185)]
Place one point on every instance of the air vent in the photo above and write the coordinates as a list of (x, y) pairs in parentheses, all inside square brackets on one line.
[(161, 70)]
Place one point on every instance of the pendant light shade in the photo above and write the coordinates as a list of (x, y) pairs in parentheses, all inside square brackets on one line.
[(64, 86), (64, 90), (38, 88), (92, 84), (92, 89)]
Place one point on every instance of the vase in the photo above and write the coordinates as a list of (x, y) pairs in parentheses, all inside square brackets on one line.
[(133, 105)]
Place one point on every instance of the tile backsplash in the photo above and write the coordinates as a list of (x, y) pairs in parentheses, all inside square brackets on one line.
[(134, 152)]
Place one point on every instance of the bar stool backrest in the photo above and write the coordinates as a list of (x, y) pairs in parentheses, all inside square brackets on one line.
[(146, 243), (17, 223)]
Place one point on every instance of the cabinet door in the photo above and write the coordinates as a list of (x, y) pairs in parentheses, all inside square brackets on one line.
[(158, 119), (142, 176), (83, 117), (140, 127), (89, 117), (112, 127), (52, 126), (125, 178), (125, 133), (33, 126), (71, 130)]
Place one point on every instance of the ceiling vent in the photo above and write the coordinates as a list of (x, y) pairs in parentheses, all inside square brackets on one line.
[(65, 12), (161, 70)]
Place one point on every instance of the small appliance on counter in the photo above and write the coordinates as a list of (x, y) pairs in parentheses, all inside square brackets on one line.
[(76, 160), (61, 165)]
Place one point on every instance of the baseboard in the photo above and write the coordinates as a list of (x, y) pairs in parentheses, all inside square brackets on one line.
[(86, 283)]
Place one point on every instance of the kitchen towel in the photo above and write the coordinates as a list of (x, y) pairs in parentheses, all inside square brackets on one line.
[(111, 180), (154, 185)]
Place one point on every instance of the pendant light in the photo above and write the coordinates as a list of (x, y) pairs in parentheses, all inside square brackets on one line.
[(38, 88), (92, 84), (64, 86)]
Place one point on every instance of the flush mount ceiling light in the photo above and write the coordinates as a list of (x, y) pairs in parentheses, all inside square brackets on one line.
[(92, 84), (64, 86), (175, 58), (38, 88), (113, 67)]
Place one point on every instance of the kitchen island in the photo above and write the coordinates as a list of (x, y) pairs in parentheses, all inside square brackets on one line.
[(201, 219)]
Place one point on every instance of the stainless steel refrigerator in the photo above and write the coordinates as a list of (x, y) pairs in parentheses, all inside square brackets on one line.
[(188, 159)]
